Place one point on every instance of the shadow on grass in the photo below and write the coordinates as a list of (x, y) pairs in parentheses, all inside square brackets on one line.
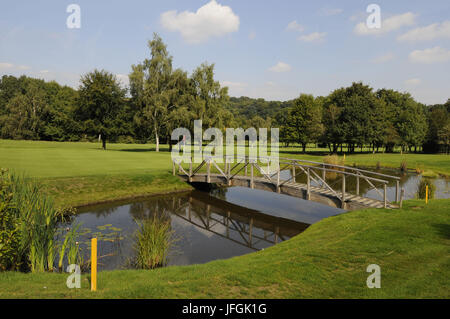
[(443, 230), (143, 150)]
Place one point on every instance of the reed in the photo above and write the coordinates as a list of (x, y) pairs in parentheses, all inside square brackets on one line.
[(35, 219), (421, 188), (154, 238)]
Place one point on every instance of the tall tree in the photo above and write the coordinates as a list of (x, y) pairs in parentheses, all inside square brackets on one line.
[(150, 88), (210, 98), (100, 100), (306, 118)]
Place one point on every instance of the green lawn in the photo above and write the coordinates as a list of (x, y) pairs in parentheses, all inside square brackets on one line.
[(82, 173), (328, 260)]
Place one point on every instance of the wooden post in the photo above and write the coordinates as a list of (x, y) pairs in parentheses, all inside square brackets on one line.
[(343, 189), (426, 194), (385, 195), (190, 171), (397, 193), (357, 185), (93, 264), (245, 163), (293, 172), (278, 178), (308, 184), (402, 193), (208, 168), (251, 175), (324, 174)]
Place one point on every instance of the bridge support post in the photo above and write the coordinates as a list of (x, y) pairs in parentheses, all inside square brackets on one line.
[(208, 171), (385, 195), (190, 171), (397, 194), (357, 185), (308, 184), (324, 175), (251, 176), (343, 190), (293, 172)]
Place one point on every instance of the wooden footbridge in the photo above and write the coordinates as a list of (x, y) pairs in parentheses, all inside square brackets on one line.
[(308, 180)]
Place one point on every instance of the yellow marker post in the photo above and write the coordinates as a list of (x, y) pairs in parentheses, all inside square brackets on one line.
[(93, 264), (426, 194)]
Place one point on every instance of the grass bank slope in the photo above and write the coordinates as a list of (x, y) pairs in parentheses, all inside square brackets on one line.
[(328, 260)]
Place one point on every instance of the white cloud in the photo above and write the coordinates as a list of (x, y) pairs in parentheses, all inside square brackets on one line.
[(123, 79), (234, 85), (44, 71), (280, 67), (384, 58), (428, 56), (5, 65), (413, 82), (294, 26), (430, 32), (210, 20), (313, 37), (387, 25), (330, 11), (23, 67)]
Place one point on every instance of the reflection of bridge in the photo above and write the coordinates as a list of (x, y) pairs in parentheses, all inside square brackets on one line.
[(220, 170), (238, 224)]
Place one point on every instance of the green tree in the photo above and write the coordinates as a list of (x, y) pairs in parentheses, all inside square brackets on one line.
[(305, 117), (150, 89), (99, 102)]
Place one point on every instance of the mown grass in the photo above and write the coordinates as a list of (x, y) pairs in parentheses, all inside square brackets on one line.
[(328, 260)]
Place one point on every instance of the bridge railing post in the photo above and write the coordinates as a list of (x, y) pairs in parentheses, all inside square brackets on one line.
[(251, 174), (190, 171), (385, 195), (324, 175), (208, 171), (357, 185), (343, 189), (308, 184), (173, 167), (293, 172), (397, 194)]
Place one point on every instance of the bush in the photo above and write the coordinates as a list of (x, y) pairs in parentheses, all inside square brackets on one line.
[(421, 189)]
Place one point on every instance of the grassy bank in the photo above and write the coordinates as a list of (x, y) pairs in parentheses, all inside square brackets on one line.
[(82, 173), (328, 260)]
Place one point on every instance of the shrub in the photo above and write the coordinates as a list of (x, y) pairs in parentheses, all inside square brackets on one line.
[(421, 188)]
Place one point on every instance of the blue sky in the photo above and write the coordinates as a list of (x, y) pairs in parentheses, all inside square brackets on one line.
[(269, 49)]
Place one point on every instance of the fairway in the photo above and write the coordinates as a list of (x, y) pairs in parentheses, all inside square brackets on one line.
[(66, 159)]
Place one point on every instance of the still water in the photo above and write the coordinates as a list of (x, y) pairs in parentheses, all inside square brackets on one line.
[(218, 224)]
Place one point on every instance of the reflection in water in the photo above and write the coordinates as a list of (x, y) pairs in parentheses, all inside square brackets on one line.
[(206, 227)]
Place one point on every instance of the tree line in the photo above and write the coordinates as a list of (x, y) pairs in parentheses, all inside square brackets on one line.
[(160, 98)]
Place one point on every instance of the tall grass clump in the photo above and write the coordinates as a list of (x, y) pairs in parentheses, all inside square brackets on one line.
[(421, 188), (403, 166), (154, 238), (28, 225)]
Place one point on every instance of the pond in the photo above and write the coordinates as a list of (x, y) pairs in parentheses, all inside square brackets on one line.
[(214, 224)]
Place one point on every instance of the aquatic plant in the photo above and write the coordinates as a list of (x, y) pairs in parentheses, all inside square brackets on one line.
[(154, 238), (30, 227), (421, 188)]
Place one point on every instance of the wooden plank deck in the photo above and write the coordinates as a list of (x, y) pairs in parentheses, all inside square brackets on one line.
[(295, 189)]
